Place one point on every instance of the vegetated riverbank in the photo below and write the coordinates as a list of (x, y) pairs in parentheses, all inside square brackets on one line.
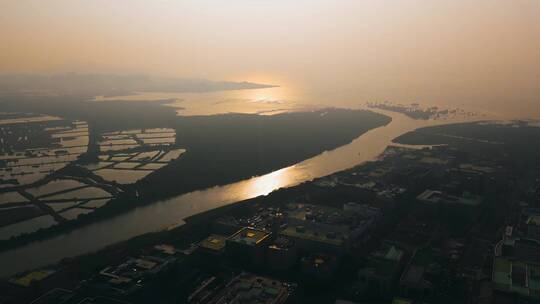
[(196, 227), (222, 149), (516, 141), (229, 148), (171, 212)]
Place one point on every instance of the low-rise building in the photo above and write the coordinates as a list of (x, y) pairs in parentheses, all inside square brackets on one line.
[(129, 276), (101, 300), (39, 281), (516, 266), (64, 296), (382, 269), (282, 254), (420, 273), (33, 277), (320, 267), (214, 245), (248, 246), (413, 233), (318, 228), (533, 227), (313, 238), (440, 198), (244, 288), (473, 260)]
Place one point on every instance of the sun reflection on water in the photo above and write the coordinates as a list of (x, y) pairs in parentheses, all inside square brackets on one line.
[(265, 184), (264, 101)]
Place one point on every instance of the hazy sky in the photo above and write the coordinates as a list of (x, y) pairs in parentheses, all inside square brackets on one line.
[(459, 51)]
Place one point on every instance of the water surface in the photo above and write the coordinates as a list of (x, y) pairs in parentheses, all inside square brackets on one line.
[(171, 212)]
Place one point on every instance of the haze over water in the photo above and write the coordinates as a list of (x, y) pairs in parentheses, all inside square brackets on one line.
[(172, 212), (275, 100), (478, 54)]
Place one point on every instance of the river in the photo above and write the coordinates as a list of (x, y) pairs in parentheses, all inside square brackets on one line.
[(171, 212)]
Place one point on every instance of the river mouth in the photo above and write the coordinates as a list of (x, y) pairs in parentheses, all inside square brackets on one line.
[(266, 101), (171, 212)]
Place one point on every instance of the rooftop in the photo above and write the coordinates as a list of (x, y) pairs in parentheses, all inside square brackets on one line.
[(327, 224), (101, 300), (518, 270), (389, 252), (347, 216), (165, 249), (534, 220), (314, 234), (521, 277), (527, 251), (249, 236), (319, 260), (434, 196), (423, 261), (34, 276), (129, 276), (214, 242), (247, 288), (379, 268), (282, 243)]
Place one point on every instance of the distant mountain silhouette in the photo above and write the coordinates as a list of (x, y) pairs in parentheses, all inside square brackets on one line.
[(111, 85)]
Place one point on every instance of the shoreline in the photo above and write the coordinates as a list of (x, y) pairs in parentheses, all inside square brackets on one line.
[(129, 202), (166, 214)]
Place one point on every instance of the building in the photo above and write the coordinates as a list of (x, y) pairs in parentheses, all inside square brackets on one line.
[(441, 198), (39, 281), (226, 225), (245, 288), (64, 296), (533, 227), (317, 228), (473, 259), (130, 276), (214, 245), (455, 210), (34, 277), (320, 267), (413, 233), (516, 266), (382, 269), (316, 239), (248, 246), (282, 254), (206, 290), (404, 301), (101, 300), (420, 273)]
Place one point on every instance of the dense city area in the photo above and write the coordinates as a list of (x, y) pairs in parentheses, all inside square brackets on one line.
[(438, 224), (270, 152)]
